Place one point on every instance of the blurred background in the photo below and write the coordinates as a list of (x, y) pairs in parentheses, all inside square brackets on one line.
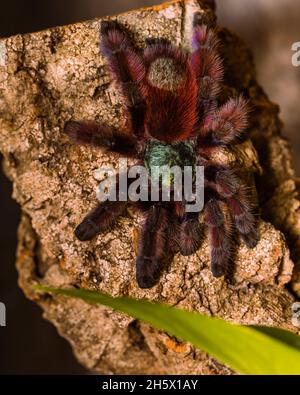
[(30, 345)]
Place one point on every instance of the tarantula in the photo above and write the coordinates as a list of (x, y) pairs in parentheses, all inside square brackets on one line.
[(171, 99)]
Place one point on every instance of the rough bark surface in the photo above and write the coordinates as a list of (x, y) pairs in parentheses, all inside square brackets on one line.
[(49, 77)]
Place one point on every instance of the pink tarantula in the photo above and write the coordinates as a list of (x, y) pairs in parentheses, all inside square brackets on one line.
[(172, 115)]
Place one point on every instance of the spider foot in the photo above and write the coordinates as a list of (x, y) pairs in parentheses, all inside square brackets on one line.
[(147, 271), (108, 25), (71, 129), (251, 238), (217, 269), (203, 19), (87, 132), (87, 230)]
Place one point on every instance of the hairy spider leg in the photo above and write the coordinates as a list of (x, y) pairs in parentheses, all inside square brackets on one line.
[(103, 216), (185, 234), (229, 186), (102, 136), (128, 70), (220, 237), (225, 126), (208, 67), (190, 234), (152, 246)]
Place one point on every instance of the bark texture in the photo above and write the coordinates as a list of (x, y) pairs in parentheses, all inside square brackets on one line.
[(49, 77)]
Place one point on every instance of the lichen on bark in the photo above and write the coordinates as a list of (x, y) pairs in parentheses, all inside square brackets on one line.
[(49, 77)]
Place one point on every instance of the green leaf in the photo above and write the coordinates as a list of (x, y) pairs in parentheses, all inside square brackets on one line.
[(284, 336), (246, 349)]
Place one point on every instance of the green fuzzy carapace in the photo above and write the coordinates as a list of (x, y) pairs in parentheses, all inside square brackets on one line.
[(161, 157)]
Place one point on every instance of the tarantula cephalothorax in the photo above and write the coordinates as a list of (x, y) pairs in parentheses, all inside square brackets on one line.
[(172, 111)]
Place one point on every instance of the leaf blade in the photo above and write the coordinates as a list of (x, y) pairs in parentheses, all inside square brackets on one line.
[(248, 350)]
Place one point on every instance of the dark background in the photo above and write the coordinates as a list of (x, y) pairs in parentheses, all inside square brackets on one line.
[(29, 344)]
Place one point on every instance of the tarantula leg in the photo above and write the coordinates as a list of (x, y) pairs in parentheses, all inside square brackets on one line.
[(230, 187), (208, 67), (219, 236), (99, 219), (152, 246), (99, 135), (186, 231), (190, 234), (103, 216), (227, 123), (173, 229), (204, 19), (128, 69), (243, 217)]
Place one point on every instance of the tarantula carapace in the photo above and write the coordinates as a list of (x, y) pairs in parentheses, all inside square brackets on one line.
[(172, 110)]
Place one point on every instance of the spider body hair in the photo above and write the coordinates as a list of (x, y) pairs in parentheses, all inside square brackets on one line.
[(171, 94)]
